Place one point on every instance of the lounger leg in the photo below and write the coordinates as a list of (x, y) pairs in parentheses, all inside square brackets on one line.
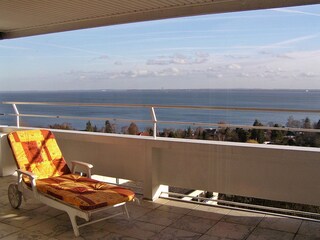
[(74, 224), (125, 211)]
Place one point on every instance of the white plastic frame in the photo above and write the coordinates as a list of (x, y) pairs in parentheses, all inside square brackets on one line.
[(72, 211)]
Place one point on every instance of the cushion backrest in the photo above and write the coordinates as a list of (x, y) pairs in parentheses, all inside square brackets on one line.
[(37, 151)]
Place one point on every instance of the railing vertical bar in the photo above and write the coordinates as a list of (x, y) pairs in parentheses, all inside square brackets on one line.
[(18, 114), (154, 119)]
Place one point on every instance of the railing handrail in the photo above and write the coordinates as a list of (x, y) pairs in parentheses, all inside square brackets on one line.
[(74, 104), (154, 120)]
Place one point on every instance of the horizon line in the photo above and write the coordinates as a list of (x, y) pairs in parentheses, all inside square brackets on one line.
[(165, 89)]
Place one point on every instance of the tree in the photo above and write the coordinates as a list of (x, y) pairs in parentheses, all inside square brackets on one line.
[(65, 126), (108, 128), (276, 135), (317, 125), (221, 132), (89, 127), (258, 134), (133, 129), (198, 133), (243, 135), (149, 130), (124, 129), (189, 132), (293, 123), (179, 133), (306, 123)]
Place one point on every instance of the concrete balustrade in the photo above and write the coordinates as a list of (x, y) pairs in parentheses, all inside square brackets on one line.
[(282, 173)]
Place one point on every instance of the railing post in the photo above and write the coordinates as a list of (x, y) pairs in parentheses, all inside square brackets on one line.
[(17, 113), (154, 119)]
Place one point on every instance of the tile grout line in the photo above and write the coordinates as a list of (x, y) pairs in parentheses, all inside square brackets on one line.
[(298, 230), (245, 238)]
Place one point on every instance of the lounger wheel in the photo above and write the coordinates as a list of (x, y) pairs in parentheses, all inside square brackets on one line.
[(14, 195)]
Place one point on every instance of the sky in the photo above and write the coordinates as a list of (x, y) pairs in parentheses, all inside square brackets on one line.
[(267, 49)]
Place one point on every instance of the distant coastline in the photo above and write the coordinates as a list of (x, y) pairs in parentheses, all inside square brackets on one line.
[(166, 89)]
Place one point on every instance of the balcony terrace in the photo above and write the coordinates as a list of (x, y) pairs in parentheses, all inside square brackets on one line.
[(278, 173)]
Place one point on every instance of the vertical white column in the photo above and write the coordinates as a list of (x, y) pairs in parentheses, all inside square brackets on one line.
[(16, 112), (154, 119), (152, 187)]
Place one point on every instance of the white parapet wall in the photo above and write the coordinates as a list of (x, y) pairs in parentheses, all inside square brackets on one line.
[(282, 173), (7, 164)]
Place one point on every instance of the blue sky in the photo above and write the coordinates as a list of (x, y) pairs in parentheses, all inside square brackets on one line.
[(278, 48)]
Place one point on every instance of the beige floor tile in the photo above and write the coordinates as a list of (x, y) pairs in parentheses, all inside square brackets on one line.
[(194, 224), (48, 211), (4, 199), (86, 233), (177, 207), (268, 234), (230, 230), (309, 228), (160, 217), (52, 227), (243, 217), (29, 205), (208, 237), (136, 211), (27, 235), (115, 236), (161, 201), (304, 237), (26, 219), (149, 204), (214, 213), (132, 228), (280, 223), (7, 212), (172, 233), (6, 229)]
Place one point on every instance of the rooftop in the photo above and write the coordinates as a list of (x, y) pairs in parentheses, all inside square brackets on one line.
[(162, 219), (19, 18)]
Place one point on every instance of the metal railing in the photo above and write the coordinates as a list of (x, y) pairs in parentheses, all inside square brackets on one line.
[(153, 115), (276, 211)]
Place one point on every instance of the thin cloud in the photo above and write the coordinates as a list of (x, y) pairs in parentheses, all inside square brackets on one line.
[(69, 48), (296, 40), (295, 11), (215, 48), (180, 59), (285, 43), (121, 36), (14, 47)]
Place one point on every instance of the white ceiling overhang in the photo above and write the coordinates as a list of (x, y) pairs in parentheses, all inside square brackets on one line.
[(20, 18)]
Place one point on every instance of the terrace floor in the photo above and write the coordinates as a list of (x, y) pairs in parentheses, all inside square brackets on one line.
[(163, 219)]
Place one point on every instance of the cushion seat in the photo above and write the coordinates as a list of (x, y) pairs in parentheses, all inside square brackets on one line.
[(82, 192)]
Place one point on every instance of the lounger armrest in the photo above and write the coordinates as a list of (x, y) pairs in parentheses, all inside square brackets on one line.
[(88, 166), (28, 174), (31, 176)]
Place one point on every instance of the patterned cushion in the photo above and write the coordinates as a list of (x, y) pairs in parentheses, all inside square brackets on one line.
[(37, 151), (82, 192)]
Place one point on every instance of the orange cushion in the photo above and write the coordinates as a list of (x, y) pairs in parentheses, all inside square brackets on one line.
[(37, 151), (82, 192)]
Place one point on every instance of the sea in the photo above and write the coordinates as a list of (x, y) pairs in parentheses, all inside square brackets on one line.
[(255, 98)]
